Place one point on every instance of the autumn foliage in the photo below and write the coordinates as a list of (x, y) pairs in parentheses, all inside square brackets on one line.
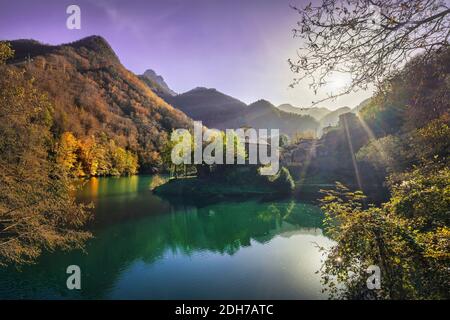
[(98, 101), (37, 209), (94, 157)]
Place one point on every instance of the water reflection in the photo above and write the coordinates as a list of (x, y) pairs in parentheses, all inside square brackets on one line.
[(146, 247)]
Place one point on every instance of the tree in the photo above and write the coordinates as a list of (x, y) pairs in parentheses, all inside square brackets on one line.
[(368, 39), (424, 147), (88, 156), (37, 208), (67, 152), (407, 238), (122, 162)]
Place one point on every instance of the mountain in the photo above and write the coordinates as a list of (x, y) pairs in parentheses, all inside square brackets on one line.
[(315, 112), (332, 118), (93, 94), (264, 115), (157, 83), (220, 111), (215, 109), (289, 108)]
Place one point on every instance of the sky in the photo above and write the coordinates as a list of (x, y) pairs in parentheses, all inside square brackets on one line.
[(239, 47)]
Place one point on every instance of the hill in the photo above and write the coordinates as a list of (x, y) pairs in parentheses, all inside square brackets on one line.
[(94, 95), (214, 108), (218, 110), (264, 115)]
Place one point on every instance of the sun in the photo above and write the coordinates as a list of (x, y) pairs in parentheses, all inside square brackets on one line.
[(338, 81)]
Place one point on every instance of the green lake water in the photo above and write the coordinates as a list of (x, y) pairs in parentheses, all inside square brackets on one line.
[(146, 247)]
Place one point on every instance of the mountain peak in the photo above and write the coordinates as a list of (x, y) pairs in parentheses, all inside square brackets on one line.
[(157, 83), (92, 42), (202, 89), (261, 103), (28, 48), (151, 73), (95, 43)]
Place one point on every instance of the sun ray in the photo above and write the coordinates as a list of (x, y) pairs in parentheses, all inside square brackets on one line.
[(352, 152)]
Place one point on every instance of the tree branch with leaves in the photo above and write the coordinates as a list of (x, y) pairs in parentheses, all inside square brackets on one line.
[(369, 39)]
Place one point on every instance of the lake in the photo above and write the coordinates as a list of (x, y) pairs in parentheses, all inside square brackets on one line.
[(146, 247)]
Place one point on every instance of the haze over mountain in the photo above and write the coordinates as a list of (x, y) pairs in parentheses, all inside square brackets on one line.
[(262, 114), (94, 95), (325, 116), (218, 110), (315, 112), (332, 118)]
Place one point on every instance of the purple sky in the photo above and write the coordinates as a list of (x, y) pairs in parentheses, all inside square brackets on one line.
[(238, 47)]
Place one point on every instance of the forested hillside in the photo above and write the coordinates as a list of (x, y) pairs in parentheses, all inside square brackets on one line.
[(108, 120)]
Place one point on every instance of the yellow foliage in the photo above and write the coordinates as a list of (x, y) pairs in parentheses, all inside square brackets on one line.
[(66, 154), (89, 157)]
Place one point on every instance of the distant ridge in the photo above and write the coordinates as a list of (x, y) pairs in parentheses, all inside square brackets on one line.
[(315, 112), (220, 111), (332, 118), (264, 115)]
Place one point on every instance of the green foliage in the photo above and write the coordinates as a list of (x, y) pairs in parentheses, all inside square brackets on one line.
[(407, 237), (394, 154), (386, 154), (220, 178), (182, 169), (423, 197), (432, 141), (413, 97)]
